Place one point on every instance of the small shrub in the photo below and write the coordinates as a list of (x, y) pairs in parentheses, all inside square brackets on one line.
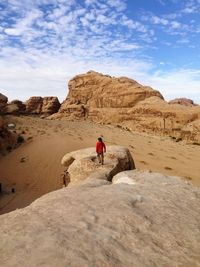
[(20, 139)]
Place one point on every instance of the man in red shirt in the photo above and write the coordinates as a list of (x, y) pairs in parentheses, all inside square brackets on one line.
[(100, 149)]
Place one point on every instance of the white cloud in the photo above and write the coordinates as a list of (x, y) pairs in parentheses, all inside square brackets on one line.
[(43, 47), (157, 20), (177, 83), (176, 25), (24, 24)]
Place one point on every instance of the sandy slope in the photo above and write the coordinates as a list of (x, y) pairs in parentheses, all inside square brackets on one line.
[(40, 171)]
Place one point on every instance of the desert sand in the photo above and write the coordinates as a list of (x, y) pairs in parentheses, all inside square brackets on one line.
[(35, 169)]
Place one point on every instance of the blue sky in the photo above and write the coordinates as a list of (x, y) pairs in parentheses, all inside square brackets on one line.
[(44, 43)]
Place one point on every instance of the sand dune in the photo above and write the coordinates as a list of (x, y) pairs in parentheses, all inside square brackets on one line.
[(34, 168)]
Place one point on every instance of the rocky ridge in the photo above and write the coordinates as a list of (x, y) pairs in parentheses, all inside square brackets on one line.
[(183, 101), (107, 223), (35, 105), (42, 105), (128, 104)]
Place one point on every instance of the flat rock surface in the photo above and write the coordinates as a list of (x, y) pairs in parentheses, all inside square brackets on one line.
[(153, 222), (83, 164)]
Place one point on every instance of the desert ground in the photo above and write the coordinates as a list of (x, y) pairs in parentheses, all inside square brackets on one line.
[(34, 168)]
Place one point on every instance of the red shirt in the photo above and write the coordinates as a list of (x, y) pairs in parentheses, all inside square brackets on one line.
[(100, 147)]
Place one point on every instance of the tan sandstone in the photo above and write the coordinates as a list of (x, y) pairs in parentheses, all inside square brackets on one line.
[(124, 102), (38, 105), (183, 101), (82, 164), (152, 221)]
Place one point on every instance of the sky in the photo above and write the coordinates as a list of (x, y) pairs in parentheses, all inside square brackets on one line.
[(45, 43)]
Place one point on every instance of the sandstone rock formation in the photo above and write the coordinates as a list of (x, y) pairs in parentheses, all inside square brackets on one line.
[(7, 138), (155, 221), (183, 101), (82, 164), (50, 105), (15, 107), (3, 102), (34, 105), (92, 91), (124, 102), (39, 105)]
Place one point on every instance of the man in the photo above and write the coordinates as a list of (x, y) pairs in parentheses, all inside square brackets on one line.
[(100, 149)]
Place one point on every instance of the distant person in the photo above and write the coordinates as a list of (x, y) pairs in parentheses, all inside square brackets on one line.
[(100, 149)]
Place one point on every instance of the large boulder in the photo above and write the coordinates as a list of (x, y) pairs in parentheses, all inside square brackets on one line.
[(11, 109), (20, 105), (50, 105), (83, 164), (34, 105), (155, 221), (3, 102), (38, 105)]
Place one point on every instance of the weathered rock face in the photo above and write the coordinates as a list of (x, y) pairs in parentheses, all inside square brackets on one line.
[(183, 101), (20, 105), (34, 105), (124, 102), (3, 102), (7, 138), (50, 105), (39, 105), (15, 107), (82, 164), (97, 91), (151, 220)]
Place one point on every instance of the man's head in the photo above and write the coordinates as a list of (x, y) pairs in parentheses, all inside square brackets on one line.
[(100, 139)]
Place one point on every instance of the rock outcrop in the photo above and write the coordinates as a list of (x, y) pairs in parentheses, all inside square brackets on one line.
[(8, 138), (15, 107), (151, 220), (34, 105), (50, 105), (3, 102), (83, 164), (38, 105), (183, 101), (92, 92), (124, 102)]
